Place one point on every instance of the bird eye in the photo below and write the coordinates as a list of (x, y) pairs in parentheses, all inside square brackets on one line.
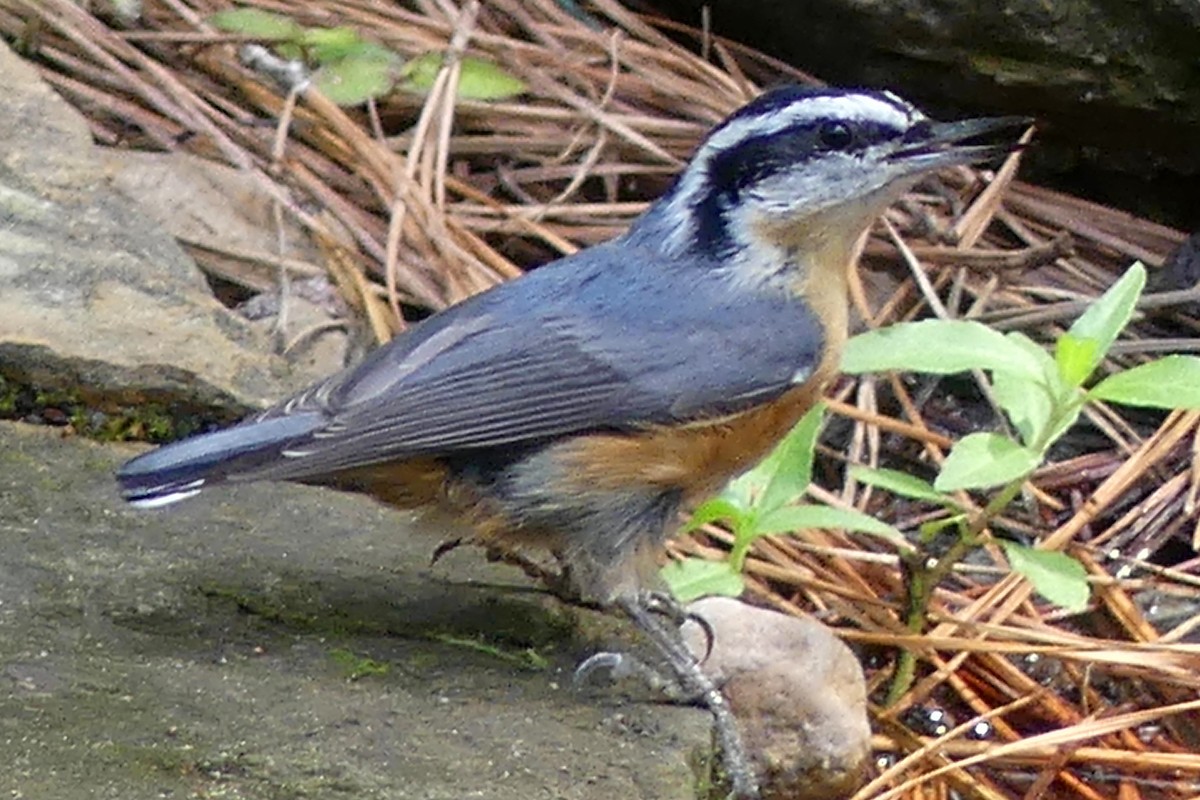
[(835, 135), (919, 131)]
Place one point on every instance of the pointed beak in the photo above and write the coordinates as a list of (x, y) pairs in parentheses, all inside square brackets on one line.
[(943, 144)]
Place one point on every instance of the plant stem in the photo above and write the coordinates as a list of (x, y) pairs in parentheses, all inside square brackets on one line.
[(924, 575), (997, 504)]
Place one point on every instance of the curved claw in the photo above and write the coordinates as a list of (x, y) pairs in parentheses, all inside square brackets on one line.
[(738, 765), (665, 605), (613, 662), (709, 634), (622, 665)]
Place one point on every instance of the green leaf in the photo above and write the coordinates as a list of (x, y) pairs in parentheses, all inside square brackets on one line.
[(1043, 418), (1169, 382), (1031, 403), (1055, 576), (1076, 358), (784, 474), (256, 23), (714, 509), (741, 492), (483, 80), (1037, 354), (789, 466), (901, 483), (355, 80), (1027, 404), (693, 578), (290, 51), (981, 460), (799, 518), (938, 347), (1107, 317), (478, 79), (421, 72), (325, 45)]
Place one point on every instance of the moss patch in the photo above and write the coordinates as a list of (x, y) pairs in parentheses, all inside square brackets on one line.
[(357, 667), (110, 416)]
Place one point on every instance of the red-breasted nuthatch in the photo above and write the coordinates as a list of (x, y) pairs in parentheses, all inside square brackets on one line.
[(579, 407)]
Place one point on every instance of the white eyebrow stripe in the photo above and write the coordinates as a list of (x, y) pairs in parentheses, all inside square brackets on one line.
[(858, 107)]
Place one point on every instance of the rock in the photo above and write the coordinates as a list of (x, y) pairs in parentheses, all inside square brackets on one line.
[(1180, 272), (101, 312), (798, 694), (284, 641), (197, 200)]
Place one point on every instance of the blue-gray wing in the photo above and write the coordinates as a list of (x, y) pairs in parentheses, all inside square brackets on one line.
[(532, 365), (594, 343)]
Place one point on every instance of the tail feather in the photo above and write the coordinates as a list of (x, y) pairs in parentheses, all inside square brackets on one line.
[(180, 470)]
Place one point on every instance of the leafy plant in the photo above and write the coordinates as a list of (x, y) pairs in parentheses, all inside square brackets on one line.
[(763, 502), (477, 79), (1042, 395), (351, 70)]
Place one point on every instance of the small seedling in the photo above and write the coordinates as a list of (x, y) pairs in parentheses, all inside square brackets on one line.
[(527, 658), (357, 667), (1042, 395)]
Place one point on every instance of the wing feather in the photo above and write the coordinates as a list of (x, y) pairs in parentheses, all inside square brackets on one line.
[(518, 367)]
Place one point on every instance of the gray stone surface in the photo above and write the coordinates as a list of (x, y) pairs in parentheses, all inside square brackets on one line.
[(207, 650), (201, 201), (95, 298)]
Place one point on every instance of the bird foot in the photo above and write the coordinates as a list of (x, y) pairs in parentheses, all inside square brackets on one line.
[(667, 606), (689, 682), (621, 666)]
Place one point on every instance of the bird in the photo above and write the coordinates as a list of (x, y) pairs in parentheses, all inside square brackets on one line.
[(581, 406)]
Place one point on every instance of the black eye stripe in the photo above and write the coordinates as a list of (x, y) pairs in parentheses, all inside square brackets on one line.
[(750, 147), (919, 131), (756, 157), (759, 156)]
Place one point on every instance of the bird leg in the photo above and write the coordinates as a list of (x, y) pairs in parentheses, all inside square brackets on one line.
[(666, 605), (557, 582), (690, 682)]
